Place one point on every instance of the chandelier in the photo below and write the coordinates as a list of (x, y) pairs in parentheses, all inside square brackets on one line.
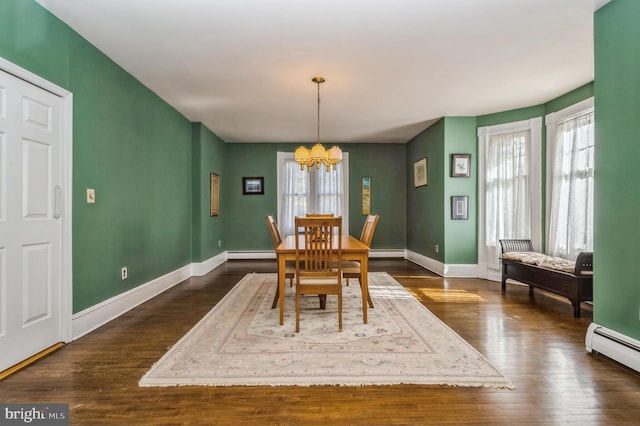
[(318, 155)]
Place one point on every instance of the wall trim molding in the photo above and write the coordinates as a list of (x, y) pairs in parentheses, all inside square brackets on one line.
[(380, 253), (426, 262), (98, 315), (461, 271), (443, 269), (248, 255), (203, 268)]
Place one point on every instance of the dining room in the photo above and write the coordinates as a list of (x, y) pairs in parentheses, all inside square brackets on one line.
[(162, 214)]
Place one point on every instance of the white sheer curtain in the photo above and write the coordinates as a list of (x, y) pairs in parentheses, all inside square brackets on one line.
[(328, 196), (571, 210), (301, 192), (508, 191), (294, 195)]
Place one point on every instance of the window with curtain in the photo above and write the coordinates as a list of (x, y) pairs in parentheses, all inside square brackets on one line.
[(571, 145), (301, 192), (509, 187)]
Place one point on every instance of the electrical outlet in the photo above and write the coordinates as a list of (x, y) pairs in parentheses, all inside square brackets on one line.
[(219, 243), (124, 273), (437, 248)]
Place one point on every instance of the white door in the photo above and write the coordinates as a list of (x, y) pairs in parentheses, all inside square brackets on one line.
[(30, 220)]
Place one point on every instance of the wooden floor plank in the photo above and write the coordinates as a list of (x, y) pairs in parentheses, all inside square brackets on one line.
[(536, 342)]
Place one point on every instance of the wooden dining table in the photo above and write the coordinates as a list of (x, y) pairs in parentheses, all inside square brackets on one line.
[(352, 249)]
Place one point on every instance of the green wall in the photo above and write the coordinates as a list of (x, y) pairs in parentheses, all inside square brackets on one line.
[(429, 207), (461, 243), (135, 151), (34, 39), (617, 194), (425, 204), (247, 229), (208, 156), (384, 163), (128, 145)]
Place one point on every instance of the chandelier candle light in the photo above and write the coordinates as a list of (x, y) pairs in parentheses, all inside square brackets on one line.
[(318, 155)]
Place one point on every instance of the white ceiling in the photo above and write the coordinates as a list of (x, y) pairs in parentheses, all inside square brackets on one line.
[(393, 67)]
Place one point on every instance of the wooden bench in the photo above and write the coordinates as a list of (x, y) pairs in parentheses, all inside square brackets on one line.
[(577, 286)]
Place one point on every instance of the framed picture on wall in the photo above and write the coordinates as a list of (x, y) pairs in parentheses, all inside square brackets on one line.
[(252, 185), (460, 165), (460, 207), (215, 194), (420, 173), (366, 196)]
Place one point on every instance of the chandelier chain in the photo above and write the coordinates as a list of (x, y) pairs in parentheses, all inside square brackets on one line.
[(318, 155)]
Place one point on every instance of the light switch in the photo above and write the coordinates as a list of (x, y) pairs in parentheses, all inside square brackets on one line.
[(91, 195)]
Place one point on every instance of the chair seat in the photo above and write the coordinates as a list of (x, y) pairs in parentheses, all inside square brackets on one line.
[(319, 281), (350, 267), (289, 269)]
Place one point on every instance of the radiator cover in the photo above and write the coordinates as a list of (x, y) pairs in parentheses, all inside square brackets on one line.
[(614, 345)]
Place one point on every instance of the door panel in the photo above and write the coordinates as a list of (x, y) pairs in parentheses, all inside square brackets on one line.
[(36, 185), (30, 233), (36, 283)]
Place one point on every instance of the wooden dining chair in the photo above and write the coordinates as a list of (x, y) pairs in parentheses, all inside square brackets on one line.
[(319, 214), (318, 251), (352, 268), (290, 269)]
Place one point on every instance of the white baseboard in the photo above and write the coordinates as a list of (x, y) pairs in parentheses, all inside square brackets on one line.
[(442, 269), (380, 253), (248, 255), (461, 271), (96, 316), (426, 262), (203, 268)]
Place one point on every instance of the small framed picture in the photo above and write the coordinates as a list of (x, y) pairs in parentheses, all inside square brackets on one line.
[(215, 194), (420, 173), (460, 207), (460, 165), (252, 185), (366, 196)]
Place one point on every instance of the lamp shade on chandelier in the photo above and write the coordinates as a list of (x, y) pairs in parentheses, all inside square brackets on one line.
[(318, 155)]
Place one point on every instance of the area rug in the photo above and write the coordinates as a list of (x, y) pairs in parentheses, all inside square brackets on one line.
[(240, 342)]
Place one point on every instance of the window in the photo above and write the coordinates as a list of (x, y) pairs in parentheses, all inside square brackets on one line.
[(570, 160), (301, 192), (509, 188)]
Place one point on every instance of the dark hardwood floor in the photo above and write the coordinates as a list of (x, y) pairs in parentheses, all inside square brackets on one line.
[(536, 343)]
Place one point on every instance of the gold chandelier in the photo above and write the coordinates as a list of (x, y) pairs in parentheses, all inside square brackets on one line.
[(317, 155)]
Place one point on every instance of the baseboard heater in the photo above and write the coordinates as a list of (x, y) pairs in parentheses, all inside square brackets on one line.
[(614, 345)]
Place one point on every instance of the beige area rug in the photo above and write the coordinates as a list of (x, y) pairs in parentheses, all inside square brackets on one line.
[(239, 342)]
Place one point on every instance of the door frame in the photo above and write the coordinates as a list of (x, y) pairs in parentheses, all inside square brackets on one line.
[(66, 155)]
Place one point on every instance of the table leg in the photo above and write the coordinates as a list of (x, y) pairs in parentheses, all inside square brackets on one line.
[(281, 279), (364, 265)]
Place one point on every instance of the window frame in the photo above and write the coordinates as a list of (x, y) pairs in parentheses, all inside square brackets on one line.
[(552, 120), (534, 126), (283, 156)]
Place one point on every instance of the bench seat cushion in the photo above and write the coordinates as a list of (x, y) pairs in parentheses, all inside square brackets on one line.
[(542, 260)]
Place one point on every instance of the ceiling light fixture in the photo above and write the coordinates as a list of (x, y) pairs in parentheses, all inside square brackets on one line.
[(318, 155)]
